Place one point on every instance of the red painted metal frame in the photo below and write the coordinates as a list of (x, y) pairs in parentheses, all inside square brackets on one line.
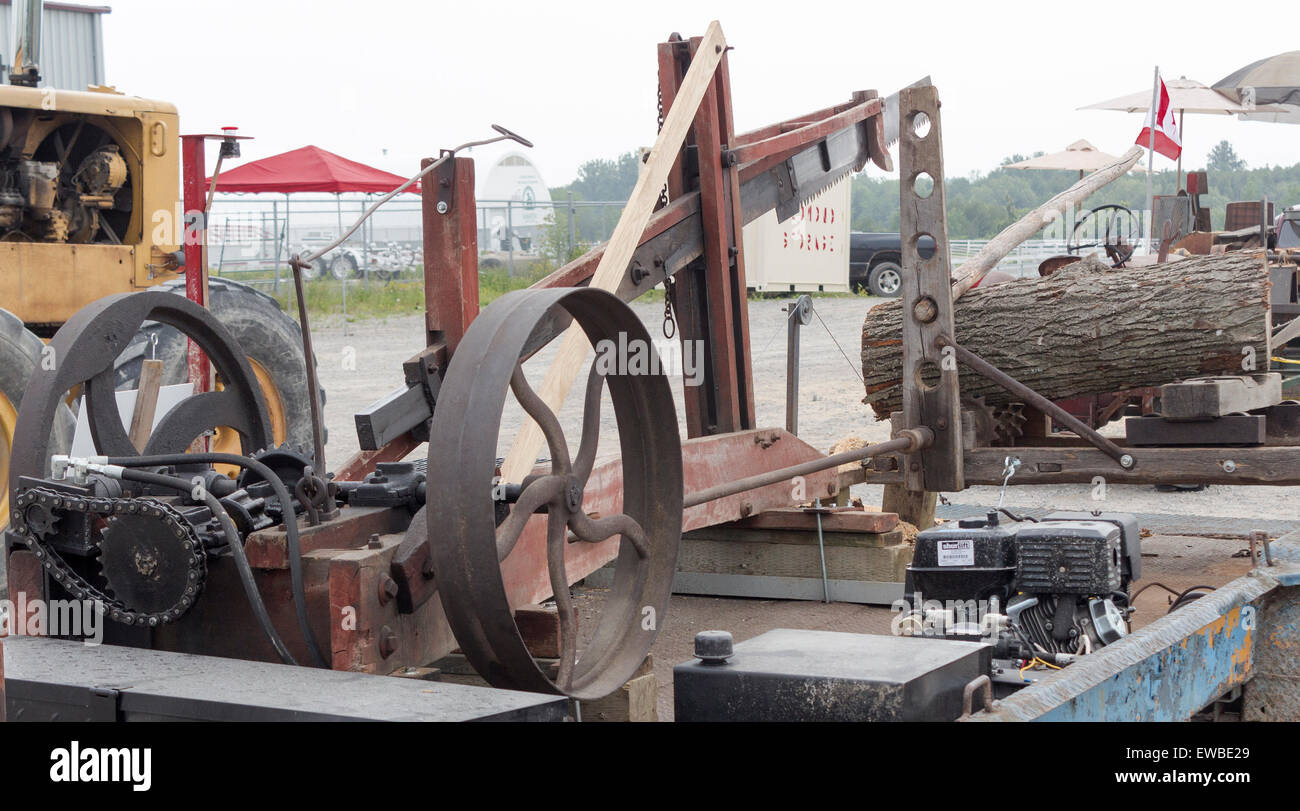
[(450, 248), (804, 132), (193, 202)]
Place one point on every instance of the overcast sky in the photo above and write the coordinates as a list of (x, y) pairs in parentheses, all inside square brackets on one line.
[(388, 81)]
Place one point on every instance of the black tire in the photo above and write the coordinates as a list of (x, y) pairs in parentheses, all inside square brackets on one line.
[(20, 354), (885, 279), (267, 334), (344, 267)]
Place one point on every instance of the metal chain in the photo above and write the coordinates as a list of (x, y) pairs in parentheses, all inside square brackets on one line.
[(670, 320), (82, 589)]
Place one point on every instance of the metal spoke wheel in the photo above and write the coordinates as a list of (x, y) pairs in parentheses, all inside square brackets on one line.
[(85, 350), (1111, 227), (468, 542)]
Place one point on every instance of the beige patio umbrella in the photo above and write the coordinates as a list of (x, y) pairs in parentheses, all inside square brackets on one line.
[(1080, 155), (1185, 96), (1272, 81)]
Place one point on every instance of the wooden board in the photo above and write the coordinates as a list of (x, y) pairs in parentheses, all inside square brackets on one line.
[(845, 519)]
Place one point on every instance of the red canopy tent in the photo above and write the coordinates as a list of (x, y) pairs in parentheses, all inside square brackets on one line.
[(308, 169)]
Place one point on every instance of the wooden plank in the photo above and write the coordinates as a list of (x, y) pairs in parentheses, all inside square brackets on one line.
[(618, 252), (799, 537), (1207, 397), (874, 564), (146, 402), (930, 387), (848, 519)]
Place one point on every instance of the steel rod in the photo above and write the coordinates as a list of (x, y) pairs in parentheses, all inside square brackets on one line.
[(911, 441), (1038, 401)]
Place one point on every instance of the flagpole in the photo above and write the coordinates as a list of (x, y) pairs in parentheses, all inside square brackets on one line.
[(1151, 157)]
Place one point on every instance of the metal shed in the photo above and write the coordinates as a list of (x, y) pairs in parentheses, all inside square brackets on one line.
[(72, 44)]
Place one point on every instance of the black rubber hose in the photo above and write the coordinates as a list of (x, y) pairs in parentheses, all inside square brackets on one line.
[(286, 509), (236, 549)]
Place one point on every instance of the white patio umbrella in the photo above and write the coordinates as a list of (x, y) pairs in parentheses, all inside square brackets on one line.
[(1185, 96), (1079, 156)]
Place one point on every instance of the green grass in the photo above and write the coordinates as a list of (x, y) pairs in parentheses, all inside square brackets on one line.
[(380, 299)]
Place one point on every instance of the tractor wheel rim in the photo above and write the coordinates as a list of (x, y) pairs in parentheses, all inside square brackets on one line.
[(8, 421), (226, 440)]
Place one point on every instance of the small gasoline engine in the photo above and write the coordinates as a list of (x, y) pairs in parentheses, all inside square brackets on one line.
[(1043, 592)]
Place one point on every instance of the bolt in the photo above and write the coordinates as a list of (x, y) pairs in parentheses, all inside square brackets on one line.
[(374, 541), (426, 568), (442, 207), (941, 423), (1229, 466), (387, 589), (387, 642), (713, 647)]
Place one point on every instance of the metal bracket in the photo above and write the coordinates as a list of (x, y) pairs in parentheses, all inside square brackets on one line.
[(931, 397)]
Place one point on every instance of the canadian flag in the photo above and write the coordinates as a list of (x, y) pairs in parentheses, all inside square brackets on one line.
[(1168, 142)]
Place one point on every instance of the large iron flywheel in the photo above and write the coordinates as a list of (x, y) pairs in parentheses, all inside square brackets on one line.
[(83, 353), (470, 531)]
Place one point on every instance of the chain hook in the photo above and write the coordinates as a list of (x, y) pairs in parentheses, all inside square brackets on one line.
[(1009, 467)]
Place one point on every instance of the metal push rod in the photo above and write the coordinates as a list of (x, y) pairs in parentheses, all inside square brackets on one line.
[(909, 440), (800, 316), (1038, 401)]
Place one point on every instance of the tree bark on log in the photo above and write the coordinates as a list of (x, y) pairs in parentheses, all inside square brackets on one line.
[(1088, 329)]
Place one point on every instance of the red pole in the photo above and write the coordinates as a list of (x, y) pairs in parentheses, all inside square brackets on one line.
[(195, 241)]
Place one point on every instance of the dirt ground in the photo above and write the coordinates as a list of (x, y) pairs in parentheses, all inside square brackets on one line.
[(362, 362)]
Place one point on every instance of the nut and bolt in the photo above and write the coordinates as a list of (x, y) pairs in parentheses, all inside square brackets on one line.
[(387, 589), (442, 206), (387, 642)]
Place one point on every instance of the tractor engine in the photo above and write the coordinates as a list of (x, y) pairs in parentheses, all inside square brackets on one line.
[(1043, 592), (73, 188)]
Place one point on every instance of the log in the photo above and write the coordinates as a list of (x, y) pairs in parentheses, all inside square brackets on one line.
[(975, 268), (1089, 329)]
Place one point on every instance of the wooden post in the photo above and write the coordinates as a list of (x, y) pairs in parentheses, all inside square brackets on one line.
[(930, 390), (146, 402), (450, 251)]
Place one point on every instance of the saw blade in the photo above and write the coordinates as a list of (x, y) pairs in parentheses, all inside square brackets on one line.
[(891, 111)]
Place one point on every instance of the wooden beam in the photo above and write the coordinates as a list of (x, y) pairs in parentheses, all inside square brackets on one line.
[(146, 402), (618, 251)]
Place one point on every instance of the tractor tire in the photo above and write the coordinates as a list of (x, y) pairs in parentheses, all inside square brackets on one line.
[(885, 279), (270, 337), (20, 355)]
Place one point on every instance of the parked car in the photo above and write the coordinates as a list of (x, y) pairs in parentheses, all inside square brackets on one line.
[(876, 262)]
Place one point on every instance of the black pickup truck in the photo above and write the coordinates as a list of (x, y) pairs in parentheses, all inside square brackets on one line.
[(876, 262)]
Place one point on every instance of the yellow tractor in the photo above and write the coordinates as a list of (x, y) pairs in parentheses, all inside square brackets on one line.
[(90, 206)]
